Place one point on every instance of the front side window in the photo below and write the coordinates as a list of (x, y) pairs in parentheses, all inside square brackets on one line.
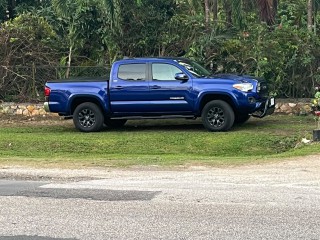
[(134, 71), (162, 71), (195, 68)]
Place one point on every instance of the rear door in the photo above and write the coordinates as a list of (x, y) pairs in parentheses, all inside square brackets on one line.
[(129, 89), (169, 95)]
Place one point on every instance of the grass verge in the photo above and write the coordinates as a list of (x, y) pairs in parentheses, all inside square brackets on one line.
[(155, 142)]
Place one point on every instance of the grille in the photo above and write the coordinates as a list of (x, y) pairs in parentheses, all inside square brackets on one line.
[(263, 89)]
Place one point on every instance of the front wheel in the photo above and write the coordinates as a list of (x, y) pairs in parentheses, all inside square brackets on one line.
[(217, 115), (88, 117)]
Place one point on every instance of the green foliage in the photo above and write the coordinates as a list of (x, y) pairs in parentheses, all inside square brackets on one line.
[(102, 31), (25, 34), (144, 27), (3, 7), (25, 41), (288, 57)]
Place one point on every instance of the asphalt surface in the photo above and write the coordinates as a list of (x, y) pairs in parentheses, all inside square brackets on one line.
[(274, 201)]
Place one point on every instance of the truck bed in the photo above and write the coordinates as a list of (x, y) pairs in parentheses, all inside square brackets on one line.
[(81, 79)]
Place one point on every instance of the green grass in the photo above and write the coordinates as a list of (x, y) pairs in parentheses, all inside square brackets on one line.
[(155, 142)]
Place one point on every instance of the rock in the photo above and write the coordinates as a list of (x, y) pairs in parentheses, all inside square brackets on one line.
[(26, 112), (35, 112), (19, 111), (285, 108), (42, 112), (292, 105), (30, 108), (6, 109), (307, 109), (305, 141)]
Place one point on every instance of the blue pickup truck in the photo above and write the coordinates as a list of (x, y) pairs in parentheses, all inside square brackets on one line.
[(155, 88)]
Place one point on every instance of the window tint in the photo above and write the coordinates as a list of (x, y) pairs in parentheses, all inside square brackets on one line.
[(161, 71), (195, 68), (132, 71)]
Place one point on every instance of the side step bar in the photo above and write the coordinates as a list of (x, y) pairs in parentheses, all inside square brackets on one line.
[(156, 117)]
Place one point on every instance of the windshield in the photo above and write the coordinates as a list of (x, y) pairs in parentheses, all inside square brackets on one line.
[(194, 68)]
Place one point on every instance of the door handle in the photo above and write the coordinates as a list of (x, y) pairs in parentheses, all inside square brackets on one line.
[(118, 87), (155, 87)]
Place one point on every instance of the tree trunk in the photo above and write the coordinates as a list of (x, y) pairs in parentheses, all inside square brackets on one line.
[(215, 10), (11, 7), (268, 11), (310, 14), (228, 11), (207, 13), (69, 61)]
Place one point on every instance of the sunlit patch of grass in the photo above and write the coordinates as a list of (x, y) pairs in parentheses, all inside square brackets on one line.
[(155, 142)]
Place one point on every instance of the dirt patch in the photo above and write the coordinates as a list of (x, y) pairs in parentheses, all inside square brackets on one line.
[(21, 120), (307, 167)]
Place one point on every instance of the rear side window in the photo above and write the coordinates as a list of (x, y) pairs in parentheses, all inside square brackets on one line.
[(134, 71)]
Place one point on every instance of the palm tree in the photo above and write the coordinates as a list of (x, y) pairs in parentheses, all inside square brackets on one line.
[(72, 10)]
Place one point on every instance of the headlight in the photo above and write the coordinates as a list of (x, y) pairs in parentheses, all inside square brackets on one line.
[(244, 87)]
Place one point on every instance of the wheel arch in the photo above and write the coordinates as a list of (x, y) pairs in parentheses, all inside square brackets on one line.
[(217, 96), (79, 99)]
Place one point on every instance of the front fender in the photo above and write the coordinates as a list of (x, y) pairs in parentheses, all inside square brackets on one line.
[(232, 97)]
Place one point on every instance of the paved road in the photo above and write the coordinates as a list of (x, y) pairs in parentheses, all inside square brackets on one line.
[(274, 201)]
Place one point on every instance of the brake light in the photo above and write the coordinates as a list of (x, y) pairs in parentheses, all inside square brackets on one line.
[(47, 91)]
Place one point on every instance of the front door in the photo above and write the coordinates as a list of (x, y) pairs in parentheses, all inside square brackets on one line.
[(169, 95)]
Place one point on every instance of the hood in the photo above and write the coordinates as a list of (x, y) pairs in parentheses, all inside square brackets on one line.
[(240, 78)]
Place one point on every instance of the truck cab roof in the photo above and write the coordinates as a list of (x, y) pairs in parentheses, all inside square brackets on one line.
[(152, 59)]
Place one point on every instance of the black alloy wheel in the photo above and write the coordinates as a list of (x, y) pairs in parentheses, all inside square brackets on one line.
[(217, 115), (88, 117)]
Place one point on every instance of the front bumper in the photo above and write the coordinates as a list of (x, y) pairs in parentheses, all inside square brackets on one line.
[(266, 108)]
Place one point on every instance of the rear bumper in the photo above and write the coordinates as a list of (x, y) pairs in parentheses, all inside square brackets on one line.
[(46, 106), (266, 108)]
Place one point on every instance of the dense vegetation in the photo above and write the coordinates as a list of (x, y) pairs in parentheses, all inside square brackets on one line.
[(273, 39)]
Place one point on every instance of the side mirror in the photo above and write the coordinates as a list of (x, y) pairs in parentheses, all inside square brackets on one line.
[(181, 76)]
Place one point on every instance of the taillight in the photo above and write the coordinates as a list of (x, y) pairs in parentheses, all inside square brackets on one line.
[(47, 91)]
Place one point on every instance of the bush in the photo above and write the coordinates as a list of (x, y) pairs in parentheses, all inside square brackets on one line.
[(288, 57)]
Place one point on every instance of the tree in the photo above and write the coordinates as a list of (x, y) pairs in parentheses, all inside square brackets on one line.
[(24, 41), (310, 15), (207, 13), (268, 11)]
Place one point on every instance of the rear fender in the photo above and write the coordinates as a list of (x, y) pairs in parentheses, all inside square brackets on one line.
[(77, 99)]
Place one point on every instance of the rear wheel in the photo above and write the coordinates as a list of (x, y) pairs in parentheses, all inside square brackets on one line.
[(88, 117), (217, 115), (115, 123)]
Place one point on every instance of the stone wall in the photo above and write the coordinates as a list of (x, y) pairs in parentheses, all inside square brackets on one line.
[(284, 106), (293, 106), (25, 109)]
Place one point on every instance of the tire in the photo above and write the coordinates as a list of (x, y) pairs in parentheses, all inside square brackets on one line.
[(217, 115), (241, 118), (115, 123), (88, 117)]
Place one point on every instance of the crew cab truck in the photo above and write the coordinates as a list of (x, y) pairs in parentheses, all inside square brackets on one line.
[(153, 88)]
